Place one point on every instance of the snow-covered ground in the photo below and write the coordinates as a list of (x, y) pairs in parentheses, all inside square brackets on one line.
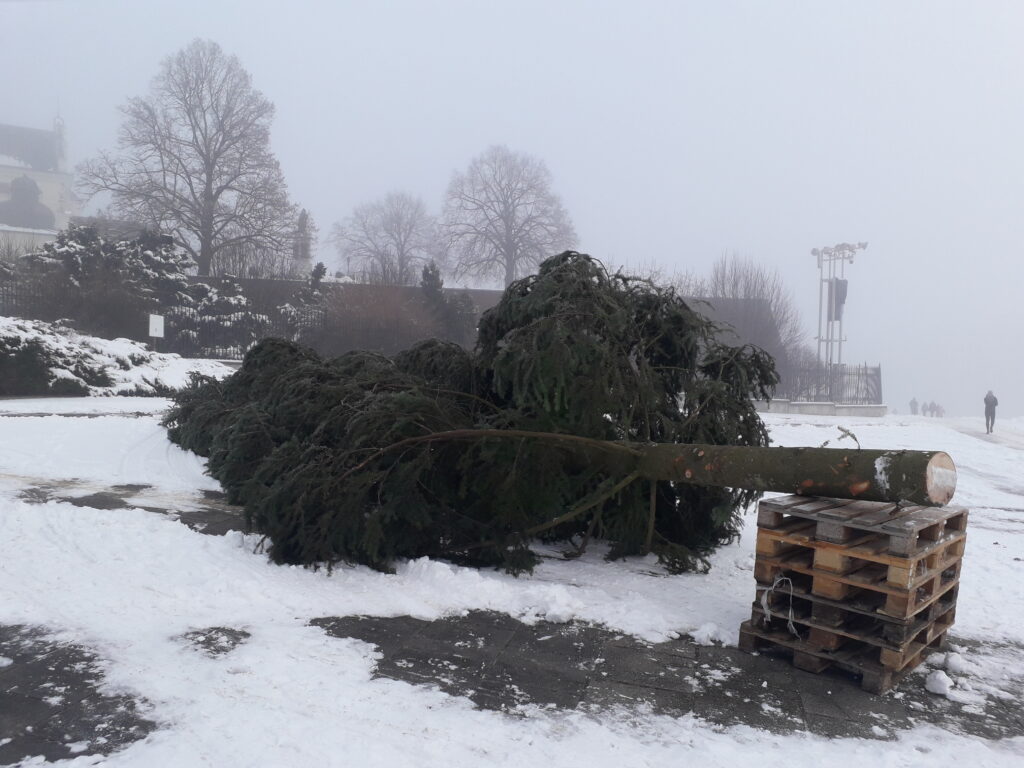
[(128, 584)]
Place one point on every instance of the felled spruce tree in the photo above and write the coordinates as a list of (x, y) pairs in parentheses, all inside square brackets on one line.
[(471, 456)]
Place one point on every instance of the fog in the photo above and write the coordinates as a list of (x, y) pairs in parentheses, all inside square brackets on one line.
[(675, 132)]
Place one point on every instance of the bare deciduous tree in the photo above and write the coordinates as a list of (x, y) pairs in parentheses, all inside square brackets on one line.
[(759, 306), (388, 241), (11, 249), (735, 277), (501, 218), (194, 159), (292, 259)]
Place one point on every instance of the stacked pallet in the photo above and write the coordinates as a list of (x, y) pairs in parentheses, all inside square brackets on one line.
[(869, 587)]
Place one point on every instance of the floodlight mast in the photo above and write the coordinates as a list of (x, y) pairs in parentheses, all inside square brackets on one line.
[(831, 268)]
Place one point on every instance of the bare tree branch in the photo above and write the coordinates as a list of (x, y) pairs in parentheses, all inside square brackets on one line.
[(501, 218), (389, 240), (194, 160)]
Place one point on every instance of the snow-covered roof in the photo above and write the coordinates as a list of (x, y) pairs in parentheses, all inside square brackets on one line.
[(37, 148), (27, 231)]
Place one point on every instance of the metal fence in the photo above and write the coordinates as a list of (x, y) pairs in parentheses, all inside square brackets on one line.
[(36, 299), (384, 319), (839, 383), (228, 336), (111, 313)]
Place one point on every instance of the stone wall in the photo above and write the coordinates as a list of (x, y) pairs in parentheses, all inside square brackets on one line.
[(821, 409)]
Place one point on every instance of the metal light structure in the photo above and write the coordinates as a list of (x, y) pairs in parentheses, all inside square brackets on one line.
[(832, 285)]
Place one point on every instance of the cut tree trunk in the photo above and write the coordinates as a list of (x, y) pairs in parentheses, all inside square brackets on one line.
[(922, 477)]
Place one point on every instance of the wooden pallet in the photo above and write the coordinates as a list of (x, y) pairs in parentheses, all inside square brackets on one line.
[(875, 677), (905, 530), (861, 611), (856, 628), (902, 572), (900, 602)]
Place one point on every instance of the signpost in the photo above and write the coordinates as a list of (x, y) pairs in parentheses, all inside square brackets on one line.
[(156, 328)]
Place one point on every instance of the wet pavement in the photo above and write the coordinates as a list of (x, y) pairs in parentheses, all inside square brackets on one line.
[(207, 513), (51, 704), (500, 663)]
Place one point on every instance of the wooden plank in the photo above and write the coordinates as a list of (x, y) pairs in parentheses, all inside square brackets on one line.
[(870, 576), (832, 588), (867, 604), (868, 631), (923, 517), (813, 506), (782, 503), (957, 521), (881, 516), (833, 560), (874, 677), (870, 546), (771, 546), (856, 509)]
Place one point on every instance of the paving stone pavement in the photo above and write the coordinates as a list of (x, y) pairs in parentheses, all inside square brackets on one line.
[(500, 663), (50, 703)]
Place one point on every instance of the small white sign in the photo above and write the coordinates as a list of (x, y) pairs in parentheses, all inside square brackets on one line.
[(156, 326)]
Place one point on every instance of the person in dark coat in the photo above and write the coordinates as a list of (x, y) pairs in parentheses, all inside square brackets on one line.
[(913, 406), (990, 411)]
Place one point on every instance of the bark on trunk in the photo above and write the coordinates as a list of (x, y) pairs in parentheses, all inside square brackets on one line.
[(205, 259), (922, 477)]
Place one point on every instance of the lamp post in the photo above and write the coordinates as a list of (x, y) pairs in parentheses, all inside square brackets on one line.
[(832, 263)]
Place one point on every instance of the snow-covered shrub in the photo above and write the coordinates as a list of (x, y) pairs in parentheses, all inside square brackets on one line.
[(38, 358), (306, 308), (115, 285), (215, 321)]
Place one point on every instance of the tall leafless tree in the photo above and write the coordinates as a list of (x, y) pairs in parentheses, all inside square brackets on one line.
[(194, 159), (759, 306), (388, 241), (736, 277), (501, 217)]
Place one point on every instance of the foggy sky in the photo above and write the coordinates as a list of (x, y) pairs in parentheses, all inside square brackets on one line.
[(674, 131)]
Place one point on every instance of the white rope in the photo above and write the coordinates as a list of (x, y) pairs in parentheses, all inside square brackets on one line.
[(768, 615)]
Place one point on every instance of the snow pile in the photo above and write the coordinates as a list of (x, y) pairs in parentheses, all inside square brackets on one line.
[(973, 678), (47, 358), (939, 682)]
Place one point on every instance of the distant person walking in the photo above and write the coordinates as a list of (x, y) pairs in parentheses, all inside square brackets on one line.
[(990, 411), (913, 406)]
